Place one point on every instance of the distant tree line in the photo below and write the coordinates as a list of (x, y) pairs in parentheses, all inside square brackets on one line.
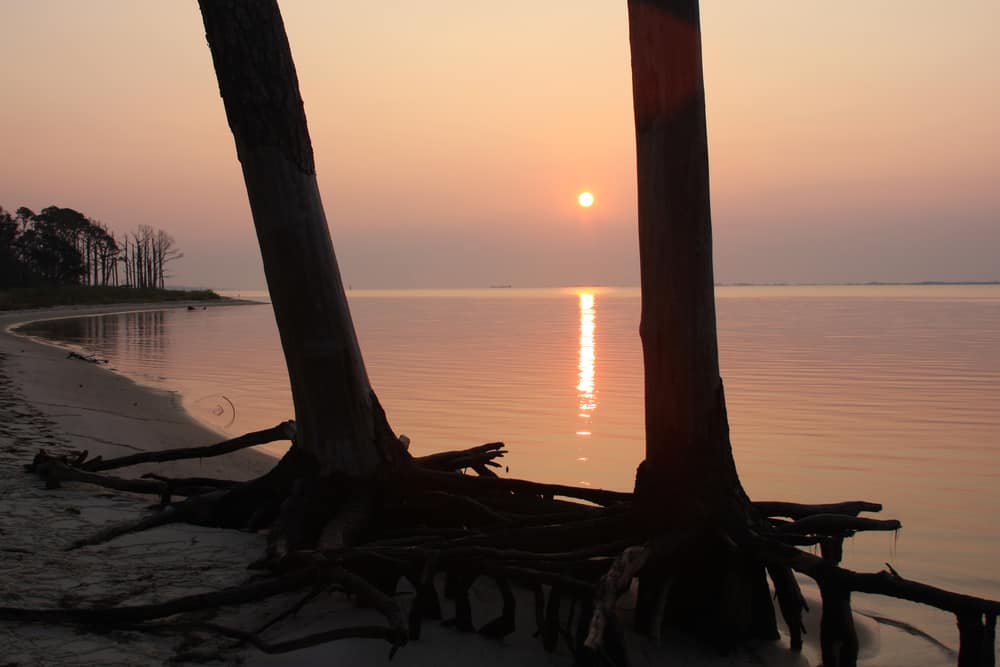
[(61, 246)]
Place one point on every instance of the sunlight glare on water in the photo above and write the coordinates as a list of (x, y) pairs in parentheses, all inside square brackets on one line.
[(586, 386)]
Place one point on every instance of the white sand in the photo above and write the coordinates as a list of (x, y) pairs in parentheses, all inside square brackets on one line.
[(50, 401), (60, 404)]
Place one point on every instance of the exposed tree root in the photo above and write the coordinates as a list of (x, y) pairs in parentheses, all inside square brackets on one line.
[(286, 646), (476, 486), (791, 602), (576, 548), (800, 511), (132, 614), (166, 516), (913, 631), (283, 431), (54, 472), (464, 458)]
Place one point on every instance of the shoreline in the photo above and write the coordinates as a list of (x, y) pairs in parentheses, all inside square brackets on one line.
[(61, 404), (49, 400), (14, 319)]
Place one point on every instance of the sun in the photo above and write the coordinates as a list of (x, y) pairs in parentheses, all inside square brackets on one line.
[(585, 199)]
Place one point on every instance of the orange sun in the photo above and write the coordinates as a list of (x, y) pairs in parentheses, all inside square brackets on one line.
[(585, 199)]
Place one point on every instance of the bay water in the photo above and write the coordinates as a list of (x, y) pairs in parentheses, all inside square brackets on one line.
[(881, 393)]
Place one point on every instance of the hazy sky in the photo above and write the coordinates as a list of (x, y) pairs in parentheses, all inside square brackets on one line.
[(849, 141)]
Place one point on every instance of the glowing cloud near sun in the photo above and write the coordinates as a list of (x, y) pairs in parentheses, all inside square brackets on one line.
[(585, 199)]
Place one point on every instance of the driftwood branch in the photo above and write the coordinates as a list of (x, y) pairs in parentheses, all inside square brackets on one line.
[(138, 613), (887, 582), (167, 515), (371, 596), (976, 616), (463, 458), (55, 472), (791, 602), (800, 511), (283, 431), (837, 523), (294, 609), (274, 648), (487, 485), (132, 617)]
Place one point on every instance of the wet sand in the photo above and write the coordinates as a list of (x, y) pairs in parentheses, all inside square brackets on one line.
[(50, 401)]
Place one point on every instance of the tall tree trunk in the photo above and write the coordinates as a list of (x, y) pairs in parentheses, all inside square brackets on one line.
[(684, 403), (339, 420), (689, 477)]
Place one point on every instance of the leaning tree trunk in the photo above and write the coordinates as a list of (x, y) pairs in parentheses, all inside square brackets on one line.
[(340, 423), (688, 477)]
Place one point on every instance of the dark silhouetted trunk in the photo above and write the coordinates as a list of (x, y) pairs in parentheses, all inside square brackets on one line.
[(340, 422), (685, 409), (689, 477)]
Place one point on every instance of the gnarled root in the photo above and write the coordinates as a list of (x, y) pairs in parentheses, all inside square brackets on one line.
[(421, 518)]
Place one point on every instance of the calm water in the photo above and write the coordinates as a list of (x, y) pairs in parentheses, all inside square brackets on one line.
[(835, 393)]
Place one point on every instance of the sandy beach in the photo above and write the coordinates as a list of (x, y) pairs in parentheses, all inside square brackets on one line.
[(51, 401)]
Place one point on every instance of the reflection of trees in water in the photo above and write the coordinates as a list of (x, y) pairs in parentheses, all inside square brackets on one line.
[(100, 333), (144, 336), (140, 337)]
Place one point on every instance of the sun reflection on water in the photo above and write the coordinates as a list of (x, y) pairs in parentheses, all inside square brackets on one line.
[(585, 386)]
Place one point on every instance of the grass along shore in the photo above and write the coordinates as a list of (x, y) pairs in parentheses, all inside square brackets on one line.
[(19, 298)]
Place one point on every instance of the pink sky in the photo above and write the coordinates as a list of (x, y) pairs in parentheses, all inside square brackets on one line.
[(849, 141)]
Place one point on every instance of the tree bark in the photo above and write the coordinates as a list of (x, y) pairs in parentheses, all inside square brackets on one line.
[(685, 437), (338, 417), (688, 476)]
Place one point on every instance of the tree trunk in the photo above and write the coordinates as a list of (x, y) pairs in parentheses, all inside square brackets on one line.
[(688, 478), (340, 422), (680, 351)]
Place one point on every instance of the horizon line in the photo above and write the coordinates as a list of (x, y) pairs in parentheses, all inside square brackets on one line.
[(869, 283)]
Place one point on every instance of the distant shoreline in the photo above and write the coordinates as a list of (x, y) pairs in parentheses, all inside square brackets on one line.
[(870, 283), (24, 298)]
